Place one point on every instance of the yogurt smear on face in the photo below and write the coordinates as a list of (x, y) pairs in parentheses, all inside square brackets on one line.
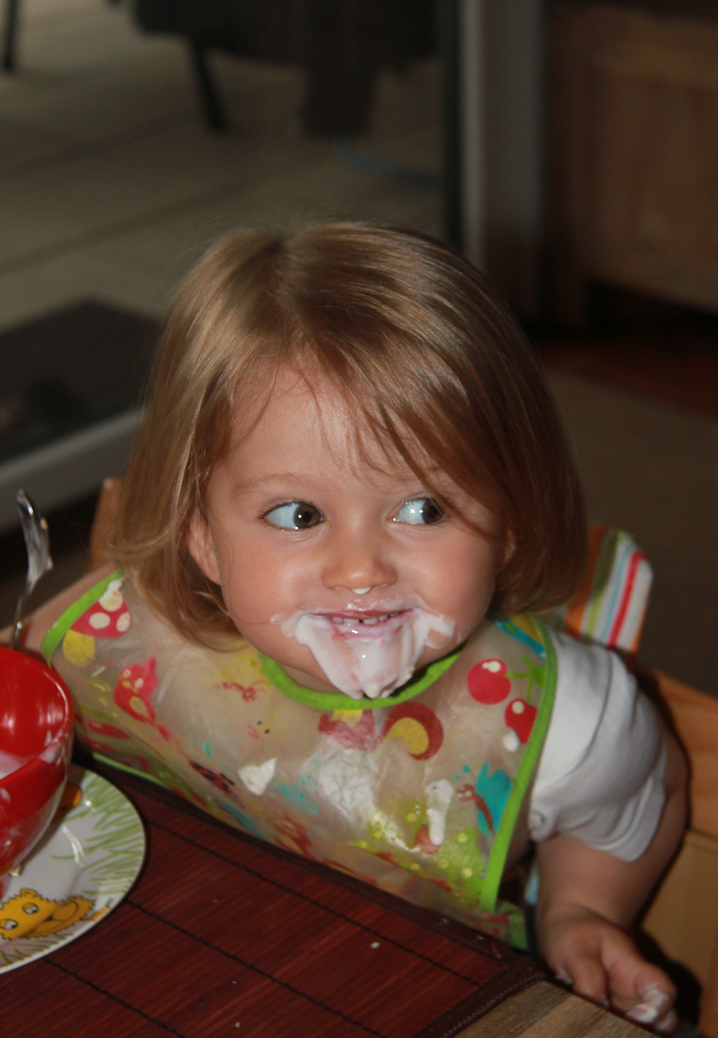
[(368, 652)]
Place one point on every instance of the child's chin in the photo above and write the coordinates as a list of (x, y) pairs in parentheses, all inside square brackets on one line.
[(312, 677)]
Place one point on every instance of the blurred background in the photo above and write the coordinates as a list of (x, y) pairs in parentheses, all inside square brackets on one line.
[(569, 148)]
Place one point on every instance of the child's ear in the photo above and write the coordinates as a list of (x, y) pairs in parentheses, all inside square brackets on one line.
[(507, 550), (201, 547)]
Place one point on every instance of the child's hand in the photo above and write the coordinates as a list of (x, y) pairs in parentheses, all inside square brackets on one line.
[(587, 899), (601, 963)]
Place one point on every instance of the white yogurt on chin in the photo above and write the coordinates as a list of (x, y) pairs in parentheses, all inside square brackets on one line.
[(370, 656)]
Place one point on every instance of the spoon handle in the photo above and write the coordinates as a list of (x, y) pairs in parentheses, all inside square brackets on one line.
[(39, 561), (19, 618)]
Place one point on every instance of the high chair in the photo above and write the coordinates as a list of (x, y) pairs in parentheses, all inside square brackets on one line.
[(609, 608), (683, 915)]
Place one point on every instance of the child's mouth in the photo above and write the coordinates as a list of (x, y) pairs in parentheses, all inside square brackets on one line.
[(362, 624), (370, 651)]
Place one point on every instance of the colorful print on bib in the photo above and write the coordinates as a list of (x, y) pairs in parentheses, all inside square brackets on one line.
[(422, 796)]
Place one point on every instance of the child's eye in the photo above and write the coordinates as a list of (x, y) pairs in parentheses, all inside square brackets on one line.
[(297, 515), (420, 510)]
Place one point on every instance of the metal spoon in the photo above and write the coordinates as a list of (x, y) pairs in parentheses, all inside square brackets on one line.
[(37, 543)]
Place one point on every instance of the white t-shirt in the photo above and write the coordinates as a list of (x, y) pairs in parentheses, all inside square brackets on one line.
[(600, 776)]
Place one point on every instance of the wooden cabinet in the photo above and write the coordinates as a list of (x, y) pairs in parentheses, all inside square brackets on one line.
[(633, 154)]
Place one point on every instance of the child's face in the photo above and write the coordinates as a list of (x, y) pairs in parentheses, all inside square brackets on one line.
[(302, 529)]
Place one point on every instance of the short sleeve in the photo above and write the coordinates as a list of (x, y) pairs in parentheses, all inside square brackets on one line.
[(600, 776)]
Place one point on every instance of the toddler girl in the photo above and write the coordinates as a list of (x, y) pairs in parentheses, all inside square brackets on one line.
[(350, 491)]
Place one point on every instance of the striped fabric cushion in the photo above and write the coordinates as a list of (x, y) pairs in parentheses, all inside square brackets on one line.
[(610, 606)]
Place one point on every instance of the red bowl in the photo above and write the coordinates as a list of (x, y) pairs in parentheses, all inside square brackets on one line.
[(35, 726)]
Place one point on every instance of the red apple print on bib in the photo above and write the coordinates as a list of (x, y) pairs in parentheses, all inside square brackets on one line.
[(487, 681), (520, 716)]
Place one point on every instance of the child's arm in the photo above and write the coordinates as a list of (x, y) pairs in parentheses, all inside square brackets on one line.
[(587, 898)]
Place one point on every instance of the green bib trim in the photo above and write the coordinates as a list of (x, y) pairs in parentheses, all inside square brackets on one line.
[(339, 701), (522, 780), (110, 762), (72, 614)]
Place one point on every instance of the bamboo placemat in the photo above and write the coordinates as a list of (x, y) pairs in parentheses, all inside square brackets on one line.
[(224, 935)]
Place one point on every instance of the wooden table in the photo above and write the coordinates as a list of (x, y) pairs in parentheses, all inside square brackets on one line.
[(546, 1011), (222, 935)]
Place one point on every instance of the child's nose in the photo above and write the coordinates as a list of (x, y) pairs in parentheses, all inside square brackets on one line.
[(357, 561)]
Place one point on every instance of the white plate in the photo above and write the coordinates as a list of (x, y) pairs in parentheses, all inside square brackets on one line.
[(84, 866)]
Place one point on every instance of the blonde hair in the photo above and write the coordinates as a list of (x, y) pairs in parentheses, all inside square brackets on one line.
[(414, 336)]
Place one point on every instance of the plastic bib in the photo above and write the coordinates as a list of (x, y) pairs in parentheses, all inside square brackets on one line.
[(420, 794)]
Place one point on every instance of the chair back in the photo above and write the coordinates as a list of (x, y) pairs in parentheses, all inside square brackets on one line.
[(683, 916)]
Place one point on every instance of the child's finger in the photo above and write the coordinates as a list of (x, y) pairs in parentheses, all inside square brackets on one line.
[(640, 989), (587, 976), (654, 1008), (669, 1023)]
